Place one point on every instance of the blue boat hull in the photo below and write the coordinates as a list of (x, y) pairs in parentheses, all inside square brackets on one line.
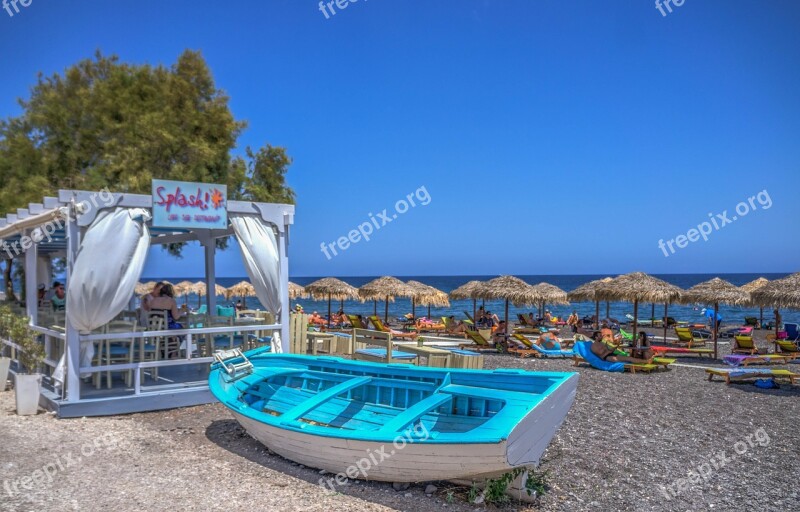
[(397, 423)]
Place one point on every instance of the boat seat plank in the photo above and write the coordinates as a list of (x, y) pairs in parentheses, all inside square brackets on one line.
[(501, 395), (416, 411), (302, 408)]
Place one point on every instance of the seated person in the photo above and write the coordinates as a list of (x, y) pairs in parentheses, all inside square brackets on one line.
[(549, 341), (608, 335), (59, 298), (644, 341), (454, 326), (340, 318), (547, 317), (166, 302), (605, 352), (316, 319)]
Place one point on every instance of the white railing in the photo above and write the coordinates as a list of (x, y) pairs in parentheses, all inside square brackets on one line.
[(187, 360)]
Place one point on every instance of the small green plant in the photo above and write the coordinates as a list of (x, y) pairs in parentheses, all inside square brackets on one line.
[(451, 497), (473, 493), (16, 329), (536, 482)]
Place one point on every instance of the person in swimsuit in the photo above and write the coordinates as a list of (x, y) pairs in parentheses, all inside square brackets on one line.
[(606, 352), (549, 341)]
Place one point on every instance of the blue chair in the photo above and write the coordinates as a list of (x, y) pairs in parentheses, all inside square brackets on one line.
[(583, 349), (792, 332), (202, 310), (227, 312)]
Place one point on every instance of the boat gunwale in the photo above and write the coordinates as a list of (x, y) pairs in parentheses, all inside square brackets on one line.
[(514, 410)]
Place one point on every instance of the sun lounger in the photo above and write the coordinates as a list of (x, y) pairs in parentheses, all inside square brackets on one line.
[(786, 348), (627, 336), (532, 349), (356, 322), (683, 351), (792, 332), (746, 374), (687, 336), (745, 360), (479, 343), (584, 354), (380, 326), (662, 362), (745, 345)]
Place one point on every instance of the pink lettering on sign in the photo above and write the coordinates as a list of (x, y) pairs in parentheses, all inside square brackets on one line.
[(200, 200)]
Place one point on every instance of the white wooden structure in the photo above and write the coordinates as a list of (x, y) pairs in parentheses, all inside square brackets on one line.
[(55, 228)]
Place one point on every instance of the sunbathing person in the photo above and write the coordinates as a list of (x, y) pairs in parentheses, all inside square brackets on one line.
[(316, 319), (608, 335), (605, 352), (454, 326), (549, 341)]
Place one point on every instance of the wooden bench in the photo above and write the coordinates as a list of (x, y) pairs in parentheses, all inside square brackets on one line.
[(385, 353)]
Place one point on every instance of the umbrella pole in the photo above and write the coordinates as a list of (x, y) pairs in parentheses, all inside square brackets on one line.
[(760, 317), (329, 311), (608, 310), (597, 315), (716, 327), (505, 331), (429, 311), (475, 312), (375, 307), (653, 314), (635, 322), (777, 314), (666, 306), (413, 308), (386, 311)]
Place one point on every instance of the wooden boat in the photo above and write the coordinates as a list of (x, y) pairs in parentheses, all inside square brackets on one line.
[(397, 422)]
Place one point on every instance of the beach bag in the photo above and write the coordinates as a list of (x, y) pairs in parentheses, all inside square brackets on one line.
[(765, 384)]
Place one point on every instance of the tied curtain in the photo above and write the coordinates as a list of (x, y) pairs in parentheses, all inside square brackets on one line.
[(259, 249), (109, 263)]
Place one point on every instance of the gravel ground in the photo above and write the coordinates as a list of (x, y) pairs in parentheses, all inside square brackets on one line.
[(625, 442)]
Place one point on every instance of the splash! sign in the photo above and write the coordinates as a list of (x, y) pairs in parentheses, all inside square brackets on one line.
[(180, 204)]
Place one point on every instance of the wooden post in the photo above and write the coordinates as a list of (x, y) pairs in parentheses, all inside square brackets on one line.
[(635, 322), (72, 343), (597, 315), (329, 310), (386, 311), (716, 326), (31, 290), (505, 331), (608, 310), (666, 306)]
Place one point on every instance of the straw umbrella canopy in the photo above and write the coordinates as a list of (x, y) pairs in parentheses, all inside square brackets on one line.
[(296, 291), (588, 292), (331, 288), (751, 287), (781, 293), (511, 289), (386, 288), (468, 290), (241, 289), (426, 295), (716, 291), (638, 287), (200, 289), (183, 289), (551, 294), (144, 288)]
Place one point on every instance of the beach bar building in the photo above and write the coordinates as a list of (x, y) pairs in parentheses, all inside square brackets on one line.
[(102, 356)]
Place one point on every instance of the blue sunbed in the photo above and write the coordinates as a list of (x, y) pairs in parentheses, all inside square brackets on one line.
[(583, 348), (552, 352)]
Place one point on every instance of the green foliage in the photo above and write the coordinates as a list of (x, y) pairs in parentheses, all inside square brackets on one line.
[(473, 493), (16, 329), (104, 123)]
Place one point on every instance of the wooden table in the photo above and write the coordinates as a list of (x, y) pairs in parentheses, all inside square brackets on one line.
[(314, 337), (436, 356)]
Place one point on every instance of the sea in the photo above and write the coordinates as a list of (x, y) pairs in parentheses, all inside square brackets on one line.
[(618, 310)]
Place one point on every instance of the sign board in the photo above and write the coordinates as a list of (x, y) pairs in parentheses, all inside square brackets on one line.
[(180, 204)]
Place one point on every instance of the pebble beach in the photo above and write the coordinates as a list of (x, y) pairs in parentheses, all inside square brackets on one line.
[(668, 441)]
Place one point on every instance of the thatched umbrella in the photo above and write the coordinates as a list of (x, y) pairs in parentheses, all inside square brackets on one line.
[(751, 287), (241, 289), (637, 287), (426, 295), (184, 289), (588, 292), (386, 288), (296, 291), (511, 289), (331, 288), (781, 293), (551, 294), (468, 290), (716, 291), (199, 288), (144, 288)]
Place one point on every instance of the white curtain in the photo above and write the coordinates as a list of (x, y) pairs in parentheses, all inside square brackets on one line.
[(260, 255), (108, 265)]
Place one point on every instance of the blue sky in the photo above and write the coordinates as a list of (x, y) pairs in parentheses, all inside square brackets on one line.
[(553, 137)]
